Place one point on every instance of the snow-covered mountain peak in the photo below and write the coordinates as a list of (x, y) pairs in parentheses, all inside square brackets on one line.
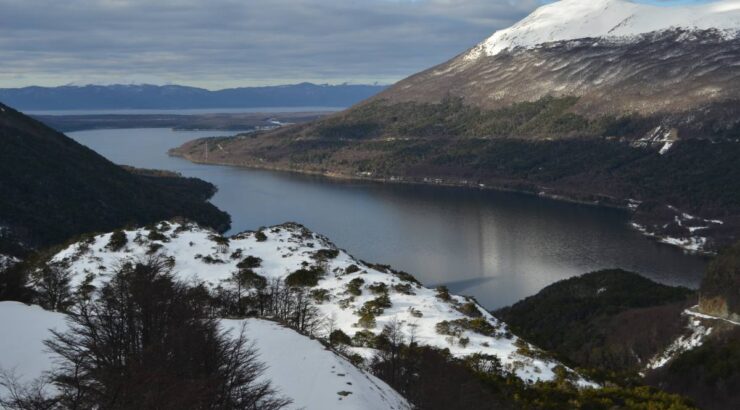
[(575, 19)]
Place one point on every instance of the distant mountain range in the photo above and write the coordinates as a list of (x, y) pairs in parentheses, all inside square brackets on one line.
[(109, 97), (603, 101)]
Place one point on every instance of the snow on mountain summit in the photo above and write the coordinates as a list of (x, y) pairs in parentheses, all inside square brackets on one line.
[(574, 19)]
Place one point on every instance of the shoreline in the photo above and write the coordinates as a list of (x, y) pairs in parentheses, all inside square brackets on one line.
[(628, 205)]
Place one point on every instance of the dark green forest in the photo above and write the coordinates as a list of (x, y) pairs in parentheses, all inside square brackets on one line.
[(54, 189)]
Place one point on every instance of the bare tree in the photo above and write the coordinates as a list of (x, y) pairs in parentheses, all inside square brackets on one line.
[(146, 342), (52, 285), (15, 395)]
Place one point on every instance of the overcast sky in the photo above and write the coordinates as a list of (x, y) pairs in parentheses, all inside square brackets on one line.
[(227, 43)]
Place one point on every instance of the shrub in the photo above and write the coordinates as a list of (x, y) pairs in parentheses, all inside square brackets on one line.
[(379, 288), (250, 262), (407, 277), (524, 349), (220, 240), (378, 304), (247, 278), (403, 288), (305, 277), (338, 337), (325, 254), (117, 241), (443, 294), (470, 309), (367, 317), (363, 338), (354, 287), (154, 248), (345, 303), (356, 360), (456, 327), (237, 254), (448, 328), (352, 269), (260, 236), (211, 260), (155, 235), (320, 295), (479, 325)]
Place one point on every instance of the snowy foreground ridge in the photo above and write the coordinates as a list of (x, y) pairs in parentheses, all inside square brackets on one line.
[(613, 19), (203, 256), (298, 367)]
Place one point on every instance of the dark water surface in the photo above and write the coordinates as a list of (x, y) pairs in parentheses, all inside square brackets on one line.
[(498, 247)]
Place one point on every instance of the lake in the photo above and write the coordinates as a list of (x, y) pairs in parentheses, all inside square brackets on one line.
[(496, 246)]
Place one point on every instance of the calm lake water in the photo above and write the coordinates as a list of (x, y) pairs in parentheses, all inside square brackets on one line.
[(498, 247)]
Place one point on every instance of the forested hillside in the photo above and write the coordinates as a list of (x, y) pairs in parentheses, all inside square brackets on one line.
[(54, 188)]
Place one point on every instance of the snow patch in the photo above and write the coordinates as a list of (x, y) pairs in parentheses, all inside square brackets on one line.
[(696, 334), (7, 261), (693, 312), (661, 136), (633, 204), (667, 146), (22, 350), (300, 368), (304, 370), (692, 224), (290, 247)]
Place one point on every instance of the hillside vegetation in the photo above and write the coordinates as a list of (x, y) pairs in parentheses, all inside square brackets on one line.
[(622, 328), (538, 147), (54, 188), (600, 311)]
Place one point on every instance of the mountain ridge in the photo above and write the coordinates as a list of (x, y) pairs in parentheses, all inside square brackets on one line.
[(147, 96), (615, 19), (649, 122)]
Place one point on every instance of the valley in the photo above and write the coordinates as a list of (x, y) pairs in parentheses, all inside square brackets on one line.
[(222, 206), (496, 246)]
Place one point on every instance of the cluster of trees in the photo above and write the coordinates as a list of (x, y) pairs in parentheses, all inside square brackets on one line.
[(600, 310), (143, 340), (433, 379), (244, 294), (547, 117)]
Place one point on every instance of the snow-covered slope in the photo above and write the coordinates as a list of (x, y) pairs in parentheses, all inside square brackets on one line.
[(299, 368), (24, 329), (614, 19), (314, 377), (199, 254)]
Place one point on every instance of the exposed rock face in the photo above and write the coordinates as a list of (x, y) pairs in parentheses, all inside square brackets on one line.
[(720, 289)]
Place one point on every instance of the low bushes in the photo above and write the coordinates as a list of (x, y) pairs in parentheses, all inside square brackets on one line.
[(306, 277)]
